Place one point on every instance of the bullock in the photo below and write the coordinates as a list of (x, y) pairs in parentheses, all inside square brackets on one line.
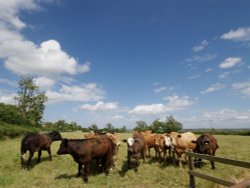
[(180, 143), (84, 151), (136, 149), (206, 144), (37, 142)]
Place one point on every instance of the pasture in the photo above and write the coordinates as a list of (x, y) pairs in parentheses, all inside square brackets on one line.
[(61, 172)]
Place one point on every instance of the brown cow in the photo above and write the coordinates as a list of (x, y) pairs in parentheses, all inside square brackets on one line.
[(115, 137), (84, 151), (136, 149), (180, 143), (37, 142), (206, 144)]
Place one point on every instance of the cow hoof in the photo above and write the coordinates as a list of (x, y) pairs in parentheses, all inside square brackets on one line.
[(85, 179)]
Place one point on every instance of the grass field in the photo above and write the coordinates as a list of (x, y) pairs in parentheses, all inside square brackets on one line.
[(61, 172)]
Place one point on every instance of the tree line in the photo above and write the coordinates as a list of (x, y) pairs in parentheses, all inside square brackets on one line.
[(27, 115)]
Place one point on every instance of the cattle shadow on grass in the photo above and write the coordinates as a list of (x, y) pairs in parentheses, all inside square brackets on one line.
[(34, 162), (124, 169)]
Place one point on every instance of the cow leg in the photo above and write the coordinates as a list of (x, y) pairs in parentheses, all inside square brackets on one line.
[(86, 172), (39, 155), (79, 169), (29, 160), (49, 152), (23, 160)]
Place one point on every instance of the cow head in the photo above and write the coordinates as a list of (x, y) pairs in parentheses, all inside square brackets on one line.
[(55, 135), (168, 140), (63, 149)]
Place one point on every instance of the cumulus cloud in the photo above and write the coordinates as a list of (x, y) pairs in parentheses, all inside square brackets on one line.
[(100, 106), (244, 87), (7, 98), (160, 89), (84, 92), (201, 46), (23, 56), (213, 88), (174, 103), (240, 34), (230, 62), (43, 82)]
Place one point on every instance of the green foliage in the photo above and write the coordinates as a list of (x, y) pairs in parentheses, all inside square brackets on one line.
[(10, 114), (169, 125), (13, 131), (62, 125), (30, 102), (141, 126)]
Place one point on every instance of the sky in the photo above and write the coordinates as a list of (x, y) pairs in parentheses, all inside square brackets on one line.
[(120, 62)]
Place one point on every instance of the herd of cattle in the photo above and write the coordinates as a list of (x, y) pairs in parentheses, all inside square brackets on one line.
[(103, 148)]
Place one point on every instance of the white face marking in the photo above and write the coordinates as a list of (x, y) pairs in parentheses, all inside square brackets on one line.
[(23, 156), (130, 141), (168, 141)]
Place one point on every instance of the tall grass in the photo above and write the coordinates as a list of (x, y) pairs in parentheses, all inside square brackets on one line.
[(61, 172)]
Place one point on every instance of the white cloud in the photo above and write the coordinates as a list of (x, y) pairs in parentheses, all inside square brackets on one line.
[(22, 56), (213, 88), (230, 62), (224, 75), (160, 89), (240, 34), (194, 77), (43, 82), (85, 92), (208, 70), (174, 103), (100, 106), (7, 98), (149, 109), (201, 46), (244, 87), (201, 58)]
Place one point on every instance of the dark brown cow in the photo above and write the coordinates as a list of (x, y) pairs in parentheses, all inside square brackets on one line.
[(37, 142), (206, 144), (136, 150), (84, 151)]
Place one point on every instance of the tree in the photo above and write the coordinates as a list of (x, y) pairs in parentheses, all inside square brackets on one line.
[(172, 125), (30, 102), (109, 127), (157, 126), (141, 126), (10, 114)]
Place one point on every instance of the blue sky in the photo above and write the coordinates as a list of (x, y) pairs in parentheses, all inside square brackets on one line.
[(125, 61)]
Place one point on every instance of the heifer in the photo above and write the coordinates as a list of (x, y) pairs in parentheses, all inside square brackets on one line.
[(37, 142), (136, 149), (180, 143), (206, 144), (84, 151)]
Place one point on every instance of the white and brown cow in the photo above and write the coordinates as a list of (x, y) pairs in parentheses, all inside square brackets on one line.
[(180, 143)]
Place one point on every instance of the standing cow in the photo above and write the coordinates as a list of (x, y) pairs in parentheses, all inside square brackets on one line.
[(180, 143), (84, 151), (136, 150), (37, 142), (206, 144)]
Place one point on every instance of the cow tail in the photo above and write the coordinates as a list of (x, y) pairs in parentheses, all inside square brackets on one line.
[(23, 150)]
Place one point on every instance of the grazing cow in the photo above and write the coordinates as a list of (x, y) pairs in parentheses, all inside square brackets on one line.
[(206, 144), (84, 151), (37, 142), (136, 149), (180, 143)]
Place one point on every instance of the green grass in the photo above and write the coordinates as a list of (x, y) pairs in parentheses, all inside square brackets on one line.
[(61, 172)]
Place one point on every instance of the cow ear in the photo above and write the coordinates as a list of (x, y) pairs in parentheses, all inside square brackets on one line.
[(194, 141), (124, 140), (206, 142), (179, 136)]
